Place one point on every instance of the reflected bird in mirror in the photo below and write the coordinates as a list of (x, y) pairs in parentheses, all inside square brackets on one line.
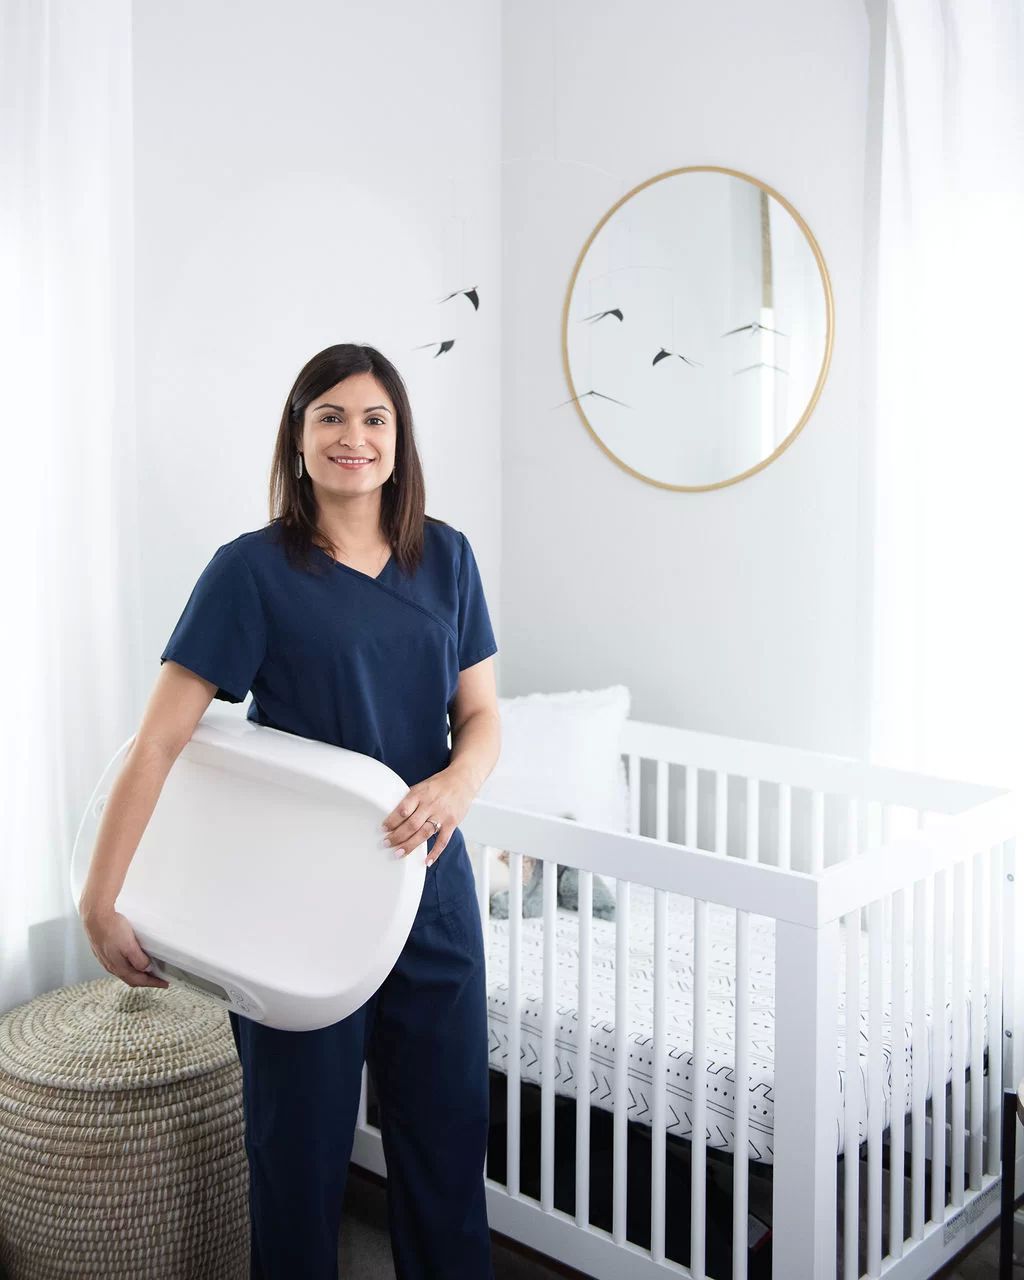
[(593, 393), (600, 315), (663, 355), (754, 326)]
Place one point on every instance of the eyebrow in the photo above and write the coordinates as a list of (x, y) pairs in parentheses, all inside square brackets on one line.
[(341, 408)]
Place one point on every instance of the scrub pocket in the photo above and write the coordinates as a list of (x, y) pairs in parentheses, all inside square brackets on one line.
[(464, 925)]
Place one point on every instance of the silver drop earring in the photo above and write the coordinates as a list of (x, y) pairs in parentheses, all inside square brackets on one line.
[(298, 466)]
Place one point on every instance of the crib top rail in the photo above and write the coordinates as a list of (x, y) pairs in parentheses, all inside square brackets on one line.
[(792, 766), (781, 893), (751, 886)]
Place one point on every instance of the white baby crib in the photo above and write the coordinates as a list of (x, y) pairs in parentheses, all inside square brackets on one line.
[(773, 882)]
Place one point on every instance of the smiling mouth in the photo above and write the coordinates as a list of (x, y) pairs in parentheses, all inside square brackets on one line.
[(351, 464)]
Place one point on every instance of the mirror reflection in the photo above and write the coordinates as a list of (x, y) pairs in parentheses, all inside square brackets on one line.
[(698, 328)]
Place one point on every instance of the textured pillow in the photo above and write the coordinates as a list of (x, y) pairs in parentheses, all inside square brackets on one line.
[(560, 755)]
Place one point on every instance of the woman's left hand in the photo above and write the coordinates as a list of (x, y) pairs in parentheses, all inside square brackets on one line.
[(445, 797)]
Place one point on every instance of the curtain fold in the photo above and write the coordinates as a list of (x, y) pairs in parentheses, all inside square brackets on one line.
[(69, 644), (947, 680)]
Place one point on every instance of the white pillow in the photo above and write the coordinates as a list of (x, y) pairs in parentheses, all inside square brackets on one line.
[(560, 755)]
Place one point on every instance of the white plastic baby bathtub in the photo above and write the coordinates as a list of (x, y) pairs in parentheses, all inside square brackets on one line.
[(261, 879)]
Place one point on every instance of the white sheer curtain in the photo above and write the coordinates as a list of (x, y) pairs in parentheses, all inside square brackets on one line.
[(948, 680), (71, 696)]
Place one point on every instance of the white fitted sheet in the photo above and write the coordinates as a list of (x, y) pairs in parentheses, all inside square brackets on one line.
[(721, 983)]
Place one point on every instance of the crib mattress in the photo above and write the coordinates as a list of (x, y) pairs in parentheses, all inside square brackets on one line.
[(720, 1076)]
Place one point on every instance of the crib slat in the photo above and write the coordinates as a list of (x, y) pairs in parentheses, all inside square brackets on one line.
[(995, 1008), (661, 808), (938, 1205), (887, 813), (621, 1060), (855, 830), (658, 1135), (721, 811), (547, 1041), (817, 831), (897, 1124), (851, 1097), (876, 1104), (692, 798), (515, 1017), (741, 1152), (785, 825), (1013, 928), (584, 926), (753, 820), (480, 859), (918, 1063), (634, 794), (698, 1147), (959, 1013), (977, 1020), (482, 870)]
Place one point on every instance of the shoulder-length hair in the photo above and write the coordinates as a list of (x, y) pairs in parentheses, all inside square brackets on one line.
[(293, 507)]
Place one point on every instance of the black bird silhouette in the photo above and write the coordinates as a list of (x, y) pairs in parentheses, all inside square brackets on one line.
[(471, 294), (446, 345), (600, 315), (663, 355), (593, 393), (753, 327)]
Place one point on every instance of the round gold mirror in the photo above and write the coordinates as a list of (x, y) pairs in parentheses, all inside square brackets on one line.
[(697, 328)]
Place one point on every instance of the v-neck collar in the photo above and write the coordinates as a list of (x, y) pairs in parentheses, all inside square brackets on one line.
[(358, 572), (402, 596)]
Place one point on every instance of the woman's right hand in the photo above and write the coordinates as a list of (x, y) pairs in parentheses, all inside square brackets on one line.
[(116, 947)]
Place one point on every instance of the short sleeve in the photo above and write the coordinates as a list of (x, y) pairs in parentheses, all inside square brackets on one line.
[(221, 634), (476, 637)]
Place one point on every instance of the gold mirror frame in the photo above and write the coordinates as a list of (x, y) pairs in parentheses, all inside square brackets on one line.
[(829, 333)]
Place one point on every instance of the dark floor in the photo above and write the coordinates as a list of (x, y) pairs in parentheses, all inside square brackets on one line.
[(365, 1248)]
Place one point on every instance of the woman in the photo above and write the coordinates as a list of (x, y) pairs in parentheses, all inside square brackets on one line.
[(355, 619)]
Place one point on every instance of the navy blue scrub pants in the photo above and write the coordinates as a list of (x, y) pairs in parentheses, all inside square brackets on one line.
[(424, 1035)]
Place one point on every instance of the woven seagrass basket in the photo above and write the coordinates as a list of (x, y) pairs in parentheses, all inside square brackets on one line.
[(122, 1146)]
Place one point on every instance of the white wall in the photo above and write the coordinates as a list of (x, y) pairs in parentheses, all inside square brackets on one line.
[(309, 174), (734, 610), (326, 173)]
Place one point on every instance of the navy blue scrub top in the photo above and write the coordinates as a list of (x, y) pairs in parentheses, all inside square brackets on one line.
[(371, 664)]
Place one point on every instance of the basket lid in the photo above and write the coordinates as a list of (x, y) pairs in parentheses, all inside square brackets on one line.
[(105, 1035)]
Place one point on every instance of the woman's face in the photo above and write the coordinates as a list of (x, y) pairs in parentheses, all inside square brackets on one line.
[(354, 419)]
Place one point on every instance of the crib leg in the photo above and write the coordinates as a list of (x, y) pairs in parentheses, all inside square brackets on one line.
[(806, 1101), (1009, 1169)]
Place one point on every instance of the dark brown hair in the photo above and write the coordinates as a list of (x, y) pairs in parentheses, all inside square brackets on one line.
[(293, 508)]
